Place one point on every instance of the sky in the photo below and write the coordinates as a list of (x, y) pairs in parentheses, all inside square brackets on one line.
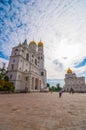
[(60, 24)]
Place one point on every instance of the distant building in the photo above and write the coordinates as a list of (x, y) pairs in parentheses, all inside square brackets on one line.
[(26, 67), (74, 82)]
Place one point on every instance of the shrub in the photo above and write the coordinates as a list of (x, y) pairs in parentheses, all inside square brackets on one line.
[(2, 82), (6, 78), (1, 88), (6, 86)]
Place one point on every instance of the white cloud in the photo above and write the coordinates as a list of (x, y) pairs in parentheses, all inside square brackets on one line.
[(60, 24), (3, 61)]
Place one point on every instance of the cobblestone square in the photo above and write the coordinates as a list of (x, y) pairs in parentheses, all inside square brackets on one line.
[(42, 111)]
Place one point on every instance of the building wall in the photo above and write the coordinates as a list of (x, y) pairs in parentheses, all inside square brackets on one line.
[(25, 67), (74, 82)]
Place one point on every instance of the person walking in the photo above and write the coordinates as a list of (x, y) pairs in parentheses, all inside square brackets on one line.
[(60, 93)]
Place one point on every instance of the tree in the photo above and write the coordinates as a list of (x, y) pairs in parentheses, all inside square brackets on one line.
[(8, 86), (0, 76), (48, 85), (6, 78), (1, 82), (5, 85), (58, 87), (2, 73)]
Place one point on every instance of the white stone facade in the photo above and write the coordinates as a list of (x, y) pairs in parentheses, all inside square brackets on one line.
[(74, 82), (26, 67)]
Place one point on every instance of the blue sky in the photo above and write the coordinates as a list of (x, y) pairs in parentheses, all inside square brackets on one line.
[(81, 64), (60, 24)]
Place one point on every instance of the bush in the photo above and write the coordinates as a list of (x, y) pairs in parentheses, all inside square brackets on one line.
[(2, 82), (6, 86), (1, 88), (6, 78), (0, 76)]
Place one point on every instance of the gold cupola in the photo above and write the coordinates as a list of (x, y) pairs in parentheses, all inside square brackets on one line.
[(33, 42), (69, 71), (40, 43)]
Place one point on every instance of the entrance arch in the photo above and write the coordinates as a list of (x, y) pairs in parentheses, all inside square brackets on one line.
[(36, 84), (39, 84), (32, 83)]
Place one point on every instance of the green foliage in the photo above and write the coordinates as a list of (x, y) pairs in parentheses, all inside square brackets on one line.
[(55, 89), (48, 85), (1, 87), (2, 72), (6, 78), (58, 87), (0, 76), (2, 82), (6, 86)]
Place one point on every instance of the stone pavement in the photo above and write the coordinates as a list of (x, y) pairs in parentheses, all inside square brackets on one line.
[(42, 111)]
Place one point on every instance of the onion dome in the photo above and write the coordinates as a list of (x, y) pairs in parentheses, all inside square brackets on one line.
[(33, 42), (40, 43), (69, 71)]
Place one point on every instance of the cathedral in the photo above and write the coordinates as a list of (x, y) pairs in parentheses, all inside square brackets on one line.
[(73, 82), (26, 67)]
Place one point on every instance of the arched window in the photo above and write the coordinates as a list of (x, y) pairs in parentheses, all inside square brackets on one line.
[(22, 50), (16, 49), (27, 56), (35, 61), (33, 56), (11, 76), (41, 57), (38, 58), (14, 60), (12, 66), (18, 76), (26, 78), (42, 73)]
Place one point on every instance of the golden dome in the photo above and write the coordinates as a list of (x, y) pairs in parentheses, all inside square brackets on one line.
[(69, 71), (40, 43), (33, 42)]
